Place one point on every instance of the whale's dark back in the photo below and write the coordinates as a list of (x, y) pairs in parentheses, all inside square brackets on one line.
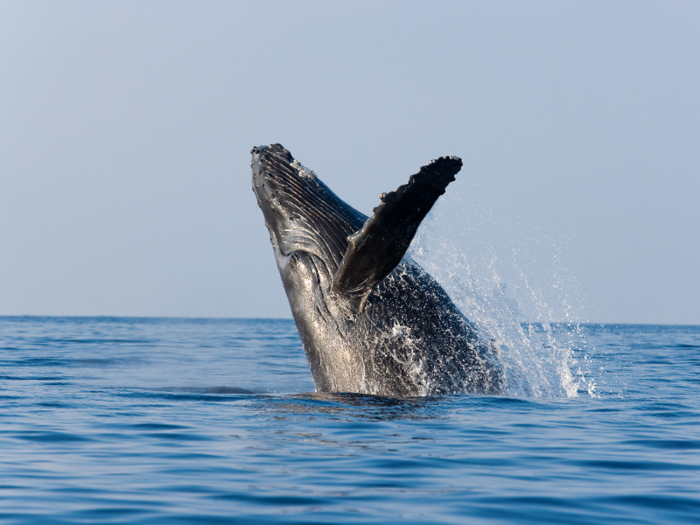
[(431, 348)]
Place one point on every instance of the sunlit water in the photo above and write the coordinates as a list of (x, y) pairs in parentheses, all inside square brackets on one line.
[(120, 420)]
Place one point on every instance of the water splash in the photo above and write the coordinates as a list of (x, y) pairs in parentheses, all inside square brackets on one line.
[(532, 325)]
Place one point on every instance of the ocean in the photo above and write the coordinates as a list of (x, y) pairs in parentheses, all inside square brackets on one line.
[(190, 421)]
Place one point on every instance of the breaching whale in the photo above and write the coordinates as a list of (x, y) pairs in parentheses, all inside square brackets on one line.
[(370, 319)]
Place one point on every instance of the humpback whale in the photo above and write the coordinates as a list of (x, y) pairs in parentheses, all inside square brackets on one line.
[(370, 319)]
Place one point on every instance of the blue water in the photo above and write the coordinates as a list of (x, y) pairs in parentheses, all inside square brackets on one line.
[(126, 420)]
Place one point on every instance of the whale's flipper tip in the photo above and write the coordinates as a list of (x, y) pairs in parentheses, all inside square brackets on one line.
[(375, 250)]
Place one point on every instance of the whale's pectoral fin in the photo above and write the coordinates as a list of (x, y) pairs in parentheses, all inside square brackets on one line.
[(375, 250)]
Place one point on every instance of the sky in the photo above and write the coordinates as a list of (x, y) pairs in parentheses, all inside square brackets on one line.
[(126, 129)]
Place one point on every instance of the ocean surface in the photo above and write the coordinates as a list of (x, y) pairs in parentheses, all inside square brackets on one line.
[(137, 420)]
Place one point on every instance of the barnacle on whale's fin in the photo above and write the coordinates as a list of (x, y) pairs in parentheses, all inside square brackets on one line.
[(375, 250)]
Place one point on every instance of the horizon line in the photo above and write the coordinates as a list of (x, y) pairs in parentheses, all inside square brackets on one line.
[(225, 318)]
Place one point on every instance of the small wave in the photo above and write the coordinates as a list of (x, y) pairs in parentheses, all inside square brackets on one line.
[(49, 436), (208, 394), (211, 390)]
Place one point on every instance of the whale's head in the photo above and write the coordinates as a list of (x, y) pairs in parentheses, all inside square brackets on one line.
[(301, 213)]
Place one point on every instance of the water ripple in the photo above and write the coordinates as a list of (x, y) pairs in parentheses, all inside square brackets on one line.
[(216, 421)]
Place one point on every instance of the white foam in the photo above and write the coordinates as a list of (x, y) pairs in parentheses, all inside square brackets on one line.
[(537, 356)]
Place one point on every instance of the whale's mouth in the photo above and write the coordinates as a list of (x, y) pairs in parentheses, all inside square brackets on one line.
[(301, 212)]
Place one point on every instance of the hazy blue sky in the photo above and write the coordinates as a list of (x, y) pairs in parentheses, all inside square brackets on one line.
[(126, 127)]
